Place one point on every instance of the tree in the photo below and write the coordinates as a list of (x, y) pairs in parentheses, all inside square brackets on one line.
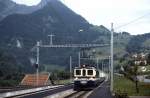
[(131, 69), (148, 59), (131, 72), (135, 73)]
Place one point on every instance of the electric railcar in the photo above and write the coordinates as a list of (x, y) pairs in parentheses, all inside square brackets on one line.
[(86, 78)]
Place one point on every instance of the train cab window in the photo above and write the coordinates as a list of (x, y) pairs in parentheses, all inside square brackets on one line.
[(90, 72), (84, 72), (78, 72)]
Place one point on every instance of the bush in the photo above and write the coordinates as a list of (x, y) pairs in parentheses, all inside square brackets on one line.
[(8, 83), (121, 94)]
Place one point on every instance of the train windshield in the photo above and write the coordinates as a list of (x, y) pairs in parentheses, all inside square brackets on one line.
[(78, 72), (90, 72)]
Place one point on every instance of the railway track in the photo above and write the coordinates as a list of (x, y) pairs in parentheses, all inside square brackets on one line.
[(70, 93), (83, 94), (35, 91), (65, 91), (18, 88), (79, 94)]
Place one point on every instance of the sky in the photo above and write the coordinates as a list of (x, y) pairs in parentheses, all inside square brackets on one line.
[(127, 15)]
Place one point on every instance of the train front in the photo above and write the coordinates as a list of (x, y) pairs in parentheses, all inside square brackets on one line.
[(85, 78)]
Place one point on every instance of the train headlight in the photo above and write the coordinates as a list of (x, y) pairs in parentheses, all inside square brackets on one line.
[(83, 82)]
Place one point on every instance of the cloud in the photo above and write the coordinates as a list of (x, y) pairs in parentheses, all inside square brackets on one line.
[(27, 2)]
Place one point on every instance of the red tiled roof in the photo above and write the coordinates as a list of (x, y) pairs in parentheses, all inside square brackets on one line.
[(31, 80)]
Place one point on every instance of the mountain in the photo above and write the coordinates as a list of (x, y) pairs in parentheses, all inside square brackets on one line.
[(139, 43), (8, 7), (19, 33)]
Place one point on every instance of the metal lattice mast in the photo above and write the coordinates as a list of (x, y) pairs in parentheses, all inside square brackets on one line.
[(51, 39), (70, 69), (74, 45), (37, 63), (79, 58)]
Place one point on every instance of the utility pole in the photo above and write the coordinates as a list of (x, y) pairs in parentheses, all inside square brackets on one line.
[(79, 58), (111, 51), (102, 66), (70, 69), (97, 63), (98, 66), (102, 70), (109, 70), (37, 62), (51, 39)]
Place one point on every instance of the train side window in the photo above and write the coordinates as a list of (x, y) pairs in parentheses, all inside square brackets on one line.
[(78, 72), (84, 72), (90, 72)]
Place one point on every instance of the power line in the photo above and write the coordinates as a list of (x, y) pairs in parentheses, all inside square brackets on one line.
[(132, 21)]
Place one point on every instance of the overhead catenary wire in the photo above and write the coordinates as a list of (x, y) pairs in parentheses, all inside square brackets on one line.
[(133, 21)]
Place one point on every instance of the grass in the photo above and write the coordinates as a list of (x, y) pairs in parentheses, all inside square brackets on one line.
[(122, 84)]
